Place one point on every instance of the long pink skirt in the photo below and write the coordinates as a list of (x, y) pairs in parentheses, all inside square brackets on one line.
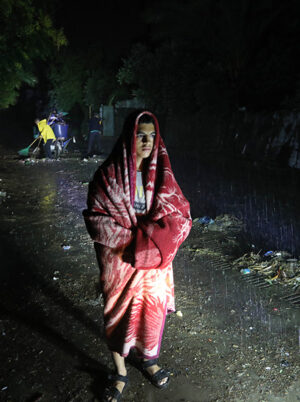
[(136, 304)]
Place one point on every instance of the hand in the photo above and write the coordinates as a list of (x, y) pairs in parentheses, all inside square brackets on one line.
[(128, 256), (125, 254)]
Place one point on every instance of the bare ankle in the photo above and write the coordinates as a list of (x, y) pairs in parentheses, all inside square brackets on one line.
[(122, 372)]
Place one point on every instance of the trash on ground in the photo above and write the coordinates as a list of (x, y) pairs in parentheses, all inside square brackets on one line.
[(221, 223), (226, 222), (206, 220), (65, 247), (274, 267), (245, 271)]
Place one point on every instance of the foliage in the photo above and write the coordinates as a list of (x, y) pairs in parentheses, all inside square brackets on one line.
[(84, 78), (67, 75), (221, 55), (170, 78), (27, 35)]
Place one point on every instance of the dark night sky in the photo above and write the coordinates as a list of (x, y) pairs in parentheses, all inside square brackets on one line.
[(110, 23)]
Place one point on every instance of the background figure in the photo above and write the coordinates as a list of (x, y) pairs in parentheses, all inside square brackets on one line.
[(95, 131), (35, 131), (52, 119), (48, 136)]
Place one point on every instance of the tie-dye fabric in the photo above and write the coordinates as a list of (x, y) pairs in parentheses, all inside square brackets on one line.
[(135, 253)]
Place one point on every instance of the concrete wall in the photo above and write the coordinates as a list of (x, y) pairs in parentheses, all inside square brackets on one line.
[(260, 137)]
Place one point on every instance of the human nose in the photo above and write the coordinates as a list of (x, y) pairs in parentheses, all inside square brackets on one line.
[(146, 138)]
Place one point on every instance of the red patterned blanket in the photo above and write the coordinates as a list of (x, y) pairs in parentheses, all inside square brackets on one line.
[(135, 254)]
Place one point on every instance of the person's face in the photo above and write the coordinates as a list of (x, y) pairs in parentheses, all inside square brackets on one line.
[(144, 140)]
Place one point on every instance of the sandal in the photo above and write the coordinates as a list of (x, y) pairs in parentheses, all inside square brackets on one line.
[(111, 392), (155, 378)]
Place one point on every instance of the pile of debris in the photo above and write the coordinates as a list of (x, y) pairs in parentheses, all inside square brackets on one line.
[(274, 266), (221, 223)]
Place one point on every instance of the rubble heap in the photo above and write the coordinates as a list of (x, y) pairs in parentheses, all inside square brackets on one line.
[(275, 266), (221, 223)]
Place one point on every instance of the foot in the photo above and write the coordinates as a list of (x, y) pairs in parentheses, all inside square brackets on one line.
[(114, 391), (158, 376), (153, 370)]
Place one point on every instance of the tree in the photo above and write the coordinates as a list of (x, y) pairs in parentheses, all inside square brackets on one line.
[(83, 77), (221, 53), (67, 76), (27, 35)]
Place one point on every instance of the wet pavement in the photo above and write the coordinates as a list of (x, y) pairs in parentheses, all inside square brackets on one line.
[(229, 341)]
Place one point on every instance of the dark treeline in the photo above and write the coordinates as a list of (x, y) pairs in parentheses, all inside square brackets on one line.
[(191, 57), (218, 54)]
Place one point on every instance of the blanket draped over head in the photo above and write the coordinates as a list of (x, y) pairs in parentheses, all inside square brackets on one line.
[(135, 253)]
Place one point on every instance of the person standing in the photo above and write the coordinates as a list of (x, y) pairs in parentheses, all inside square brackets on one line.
[(137, 217), (47, 134), (53, 118), (95, 131)]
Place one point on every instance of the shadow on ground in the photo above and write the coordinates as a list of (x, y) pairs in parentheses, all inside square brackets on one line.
[(37, 310)]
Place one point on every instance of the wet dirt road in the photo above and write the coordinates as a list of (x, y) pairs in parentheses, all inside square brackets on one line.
[(233, 342)]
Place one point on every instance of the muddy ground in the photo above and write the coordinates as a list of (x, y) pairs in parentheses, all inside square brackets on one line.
[(233, 342)]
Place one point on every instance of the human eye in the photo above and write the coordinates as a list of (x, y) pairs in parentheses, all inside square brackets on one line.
[(139, 135), (153, 135)]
